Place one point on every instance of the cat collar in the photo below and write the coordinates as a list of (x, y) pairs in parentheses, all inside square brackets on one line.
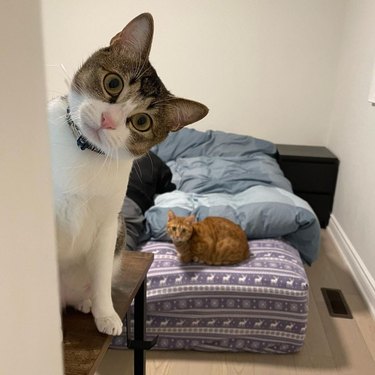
[(82, 141)]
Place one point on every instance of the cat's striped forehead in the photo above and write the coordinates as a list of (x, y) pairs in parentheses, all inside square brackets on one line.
[(139, 79), (179, 223)]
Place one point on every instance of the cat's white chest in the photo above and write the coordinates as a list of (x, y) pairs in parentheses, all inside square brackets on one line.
[(89, 187)]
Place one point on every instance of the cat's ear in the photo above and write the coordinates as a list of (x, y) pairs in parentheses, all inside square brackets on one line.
[(171, 215), (190, 219), (182, 112), (137, 34)]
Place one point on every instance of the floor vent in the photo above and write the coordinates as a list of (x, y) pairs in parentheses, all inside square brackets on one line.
[(336, 303)]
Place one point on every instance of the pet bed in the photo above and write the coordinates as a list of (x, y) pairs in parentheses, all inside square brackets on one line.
[(260, 305)]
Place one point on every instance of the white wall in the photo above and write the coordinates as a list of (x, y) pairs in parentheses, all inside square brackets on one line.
[(263, 67), (291, 71), (352, 135), (29, 305), (266, 68)]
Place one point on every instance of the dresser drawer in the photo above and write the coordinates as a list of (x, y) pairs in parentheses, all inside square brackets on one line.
[(312, 170), (312, 177), (321, 204)]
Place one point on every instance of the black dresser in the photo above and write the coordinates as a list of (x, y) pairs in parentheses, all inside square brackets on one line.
[(312, 170)]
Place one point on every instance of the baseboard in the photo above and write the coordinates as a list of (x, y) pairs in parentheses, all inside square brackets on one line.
[(362, 276)]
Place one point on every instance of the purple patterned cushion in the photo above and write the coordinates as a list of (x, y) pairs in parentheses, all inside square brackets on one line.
[(260, 305)]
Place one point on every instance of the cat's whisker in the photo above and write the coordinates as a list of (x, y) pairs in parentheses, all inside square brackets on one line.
[(110, 157), (68, 78), (137, 169), (79, 188), (152, 162), (117, 163), (54, 93), (143, 72), (107, 159), (67, 75), (86, 202), (73, 167)]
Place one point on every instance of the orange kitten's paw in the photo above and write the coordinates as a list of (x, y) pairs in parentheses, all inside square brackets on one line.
[(197, 260), (110, 325), (184, 258)]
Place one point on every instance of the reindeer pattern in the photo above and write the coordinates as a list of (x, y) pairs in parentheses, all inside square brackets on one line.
[(235, 303)]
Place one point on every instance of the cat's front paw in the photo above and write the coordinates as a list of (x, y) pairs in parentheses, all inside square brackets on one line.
[(110, 325), (185, 258), (84, 306)]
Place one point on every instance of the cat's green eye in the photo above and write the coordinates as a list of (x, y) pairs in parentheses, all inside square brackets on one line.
[(113, 84), (141, 122)]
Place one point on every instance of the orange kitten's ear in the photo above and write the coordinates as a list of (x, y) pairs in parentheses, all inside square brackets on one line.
[(171, 215), (182, 112), (190, 219), (137, 35)]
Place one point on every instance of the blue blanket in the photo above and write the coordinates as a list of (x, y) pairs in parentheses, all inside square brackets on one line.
[(237, 177)]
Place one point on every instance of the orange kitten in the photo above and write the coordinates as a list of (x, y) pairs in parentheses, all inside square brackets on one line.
[(215, 240)]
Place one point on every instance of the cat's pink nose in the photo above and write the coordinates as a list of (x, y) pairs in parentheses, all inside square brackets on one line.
[(107, 121)]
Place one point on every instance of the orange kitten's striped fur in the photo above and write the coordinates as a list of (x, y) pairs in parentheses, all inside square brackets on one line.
[(214, 240)]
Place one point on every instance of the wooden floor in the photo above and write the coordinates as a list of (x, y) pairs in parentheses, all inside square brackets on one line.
[(332, 346)]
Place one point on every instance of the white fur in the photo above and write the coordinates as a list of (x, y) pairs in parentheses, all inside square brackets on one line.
[(88, 193)]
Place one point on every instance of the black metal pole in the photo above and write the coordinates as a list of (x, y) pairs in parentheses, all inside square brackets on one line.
[(139, 330)]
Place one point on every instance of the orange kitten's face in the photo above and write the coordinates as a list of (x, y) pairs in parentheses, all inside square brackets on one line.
[(179, 229)]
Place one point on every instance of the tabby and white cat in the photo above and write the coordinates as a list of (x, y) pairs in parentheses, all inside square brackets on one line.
[(214, 240), (115, 110)]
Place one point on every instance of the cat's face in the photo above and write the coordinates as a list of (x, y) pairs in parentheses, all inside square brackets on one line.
[(118, 101), (180, 229)]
